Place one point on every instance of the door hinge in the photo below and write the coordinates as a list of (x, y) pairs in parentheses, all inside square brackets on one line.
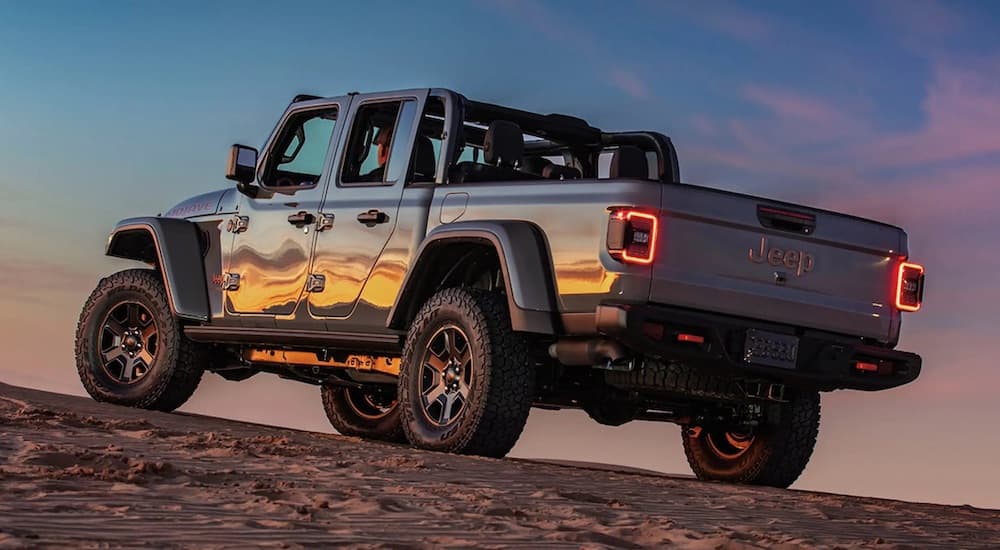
[(315, 283), (324, 222), (231, 281), (238, 224)]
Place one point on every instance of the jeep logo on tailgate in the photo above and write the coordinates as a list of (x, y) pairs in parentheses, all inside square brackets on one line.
[(799, 260)]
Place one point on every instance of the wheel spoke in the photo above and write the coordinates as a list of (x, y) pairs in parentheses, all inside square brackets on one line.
[(446, 409), (112, 354), (465, 356), (133, 315), (146, 358), (148, 332), (463, 388), (128, 370), (450, 346), (434, 393), (115, 328), (436, 363)]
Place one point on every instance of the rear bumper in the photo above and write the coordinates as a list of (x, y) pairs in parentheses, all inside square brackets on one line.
[(825, 361)]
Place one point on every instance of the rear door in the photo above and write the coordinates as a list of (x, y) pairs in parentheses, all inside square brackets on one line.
[(361, 210), (750, 257)]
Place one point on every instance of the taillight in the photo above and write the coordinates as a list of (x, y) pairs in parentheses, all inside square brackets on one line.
[(909, 286), (632, 236)]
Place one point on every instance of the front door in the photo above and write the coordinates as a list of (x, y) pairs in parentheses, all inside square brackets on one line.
[(362, 203), (274, 232)]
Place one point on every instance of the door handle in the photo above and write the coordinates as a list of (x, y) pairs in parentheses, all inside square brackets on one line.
[(301, 218), (373, 217)]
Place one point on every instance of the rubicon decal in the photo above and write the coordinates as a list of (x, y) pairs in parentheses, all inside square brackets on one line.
[(799, 260)]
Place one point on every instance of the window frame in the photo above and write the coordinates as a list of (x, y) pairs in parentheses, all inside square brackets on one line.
[(342, 161), (272, 142)]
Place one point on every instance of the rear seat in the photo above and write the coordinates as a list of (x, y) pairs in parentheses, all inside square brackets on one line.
[(541, 166), (503, 149), (628, 161)]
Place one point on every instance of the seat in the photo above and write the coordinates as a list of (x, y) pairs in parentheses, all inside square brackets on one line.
[(424, 161), (503, 148), (541, 166), (535, 165), (628, 161), (556, 172)]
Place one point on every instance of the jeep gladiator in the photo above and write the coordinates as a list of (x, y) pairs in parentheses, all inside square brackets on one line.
[(438, 266)]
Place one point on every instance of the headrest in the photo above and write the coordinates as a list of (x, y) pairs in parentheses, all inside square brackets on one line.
[(629, 162), (535, 165), (424, 163), (504, 144)]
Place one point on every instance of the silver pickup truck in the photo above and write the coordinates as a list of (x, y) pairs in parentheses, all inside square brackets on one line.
[(439, 266)]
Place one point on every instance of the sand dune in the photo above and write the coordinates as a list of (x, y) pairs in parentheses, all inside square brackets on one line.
[(75, 472)]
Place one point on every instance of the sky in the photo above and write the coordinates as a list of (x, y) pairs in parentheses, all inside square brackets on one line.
[(888, 110)]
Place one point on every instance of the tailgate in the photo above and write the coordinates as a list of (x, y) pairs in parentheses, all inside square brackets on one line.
[(751, 257)]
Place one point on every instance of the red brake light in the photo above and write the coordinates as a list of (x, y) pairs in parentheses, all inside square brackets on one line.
[(909, 286), (693, 338), (866, 366), (632, 236)]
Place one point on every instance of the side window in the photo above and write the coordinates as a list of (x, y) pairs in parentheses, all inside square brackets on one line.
[(377, 147), (471, 153), (604, 164), (298, 155)]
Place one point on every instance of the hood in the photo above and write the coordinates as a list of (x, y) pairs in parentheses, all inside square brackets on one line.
[(215, 202)]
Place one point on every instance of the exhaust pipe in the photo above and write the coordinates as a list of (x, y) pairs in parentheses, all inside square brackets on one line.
[(587, 352)]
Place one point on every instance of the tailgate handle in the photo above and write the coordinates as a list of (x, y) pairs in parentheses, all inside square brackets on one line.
[(786, 220)]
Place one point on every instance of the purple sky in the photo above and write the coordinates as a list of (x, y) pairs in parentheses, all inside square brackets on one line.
[(889, 110)]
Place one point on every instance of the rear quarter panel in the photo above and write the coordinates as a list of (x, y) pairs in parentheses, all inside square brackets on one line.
[(572, 216)]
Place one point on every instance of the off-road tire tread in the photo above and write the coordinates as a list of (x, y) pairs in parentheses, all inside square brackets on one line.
[(677, 379), (788, 449), (332, 404), (172, 390), (510, 382)]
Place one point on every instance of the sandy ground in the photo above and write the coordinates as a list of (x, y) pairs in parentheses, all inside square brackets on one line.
[(79, 473)]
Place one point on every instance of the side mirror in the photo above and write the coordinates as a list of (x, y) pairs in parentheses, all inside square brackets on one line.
[(242, 166)]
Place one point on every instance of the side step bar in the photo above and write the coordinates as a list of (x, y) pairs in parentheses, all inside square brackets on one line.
[(348, 341)]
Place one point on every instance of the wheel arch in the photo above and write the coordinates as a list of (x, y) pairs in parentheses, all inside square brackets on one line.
[(174, 247), (523, 259)]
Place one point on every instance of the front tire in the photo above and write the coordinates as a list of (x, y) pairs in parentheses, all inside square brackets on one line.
[(774, 454), (466, 383), (130, 350), (370, 413)]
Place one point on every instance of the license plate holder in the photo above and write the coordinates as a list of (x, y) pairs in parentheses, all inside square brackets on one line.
[(771, 349)]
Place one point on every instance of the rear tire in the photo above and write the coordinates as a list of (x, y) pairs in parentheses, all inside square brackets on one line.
[(775, 454), (130, 349), (466, 383), (365, 413)]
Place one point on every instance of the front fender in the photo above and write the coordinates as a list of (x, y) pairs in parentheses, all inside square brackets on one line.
[(524, 262), (174, 246)]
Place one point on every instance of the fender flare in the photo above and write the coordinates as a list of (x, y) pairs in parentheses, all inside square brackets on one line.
[(524, 262), (174, 246)]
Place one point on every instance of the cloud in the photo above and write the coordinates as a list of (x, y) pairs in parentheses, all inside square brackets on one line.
[(957, 195), (723, 18), (921, 18), (733, 21), (703, 125), (629, 82), (31, 280), (807, 116), (962, 120), (954, 145), (554, 27)]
